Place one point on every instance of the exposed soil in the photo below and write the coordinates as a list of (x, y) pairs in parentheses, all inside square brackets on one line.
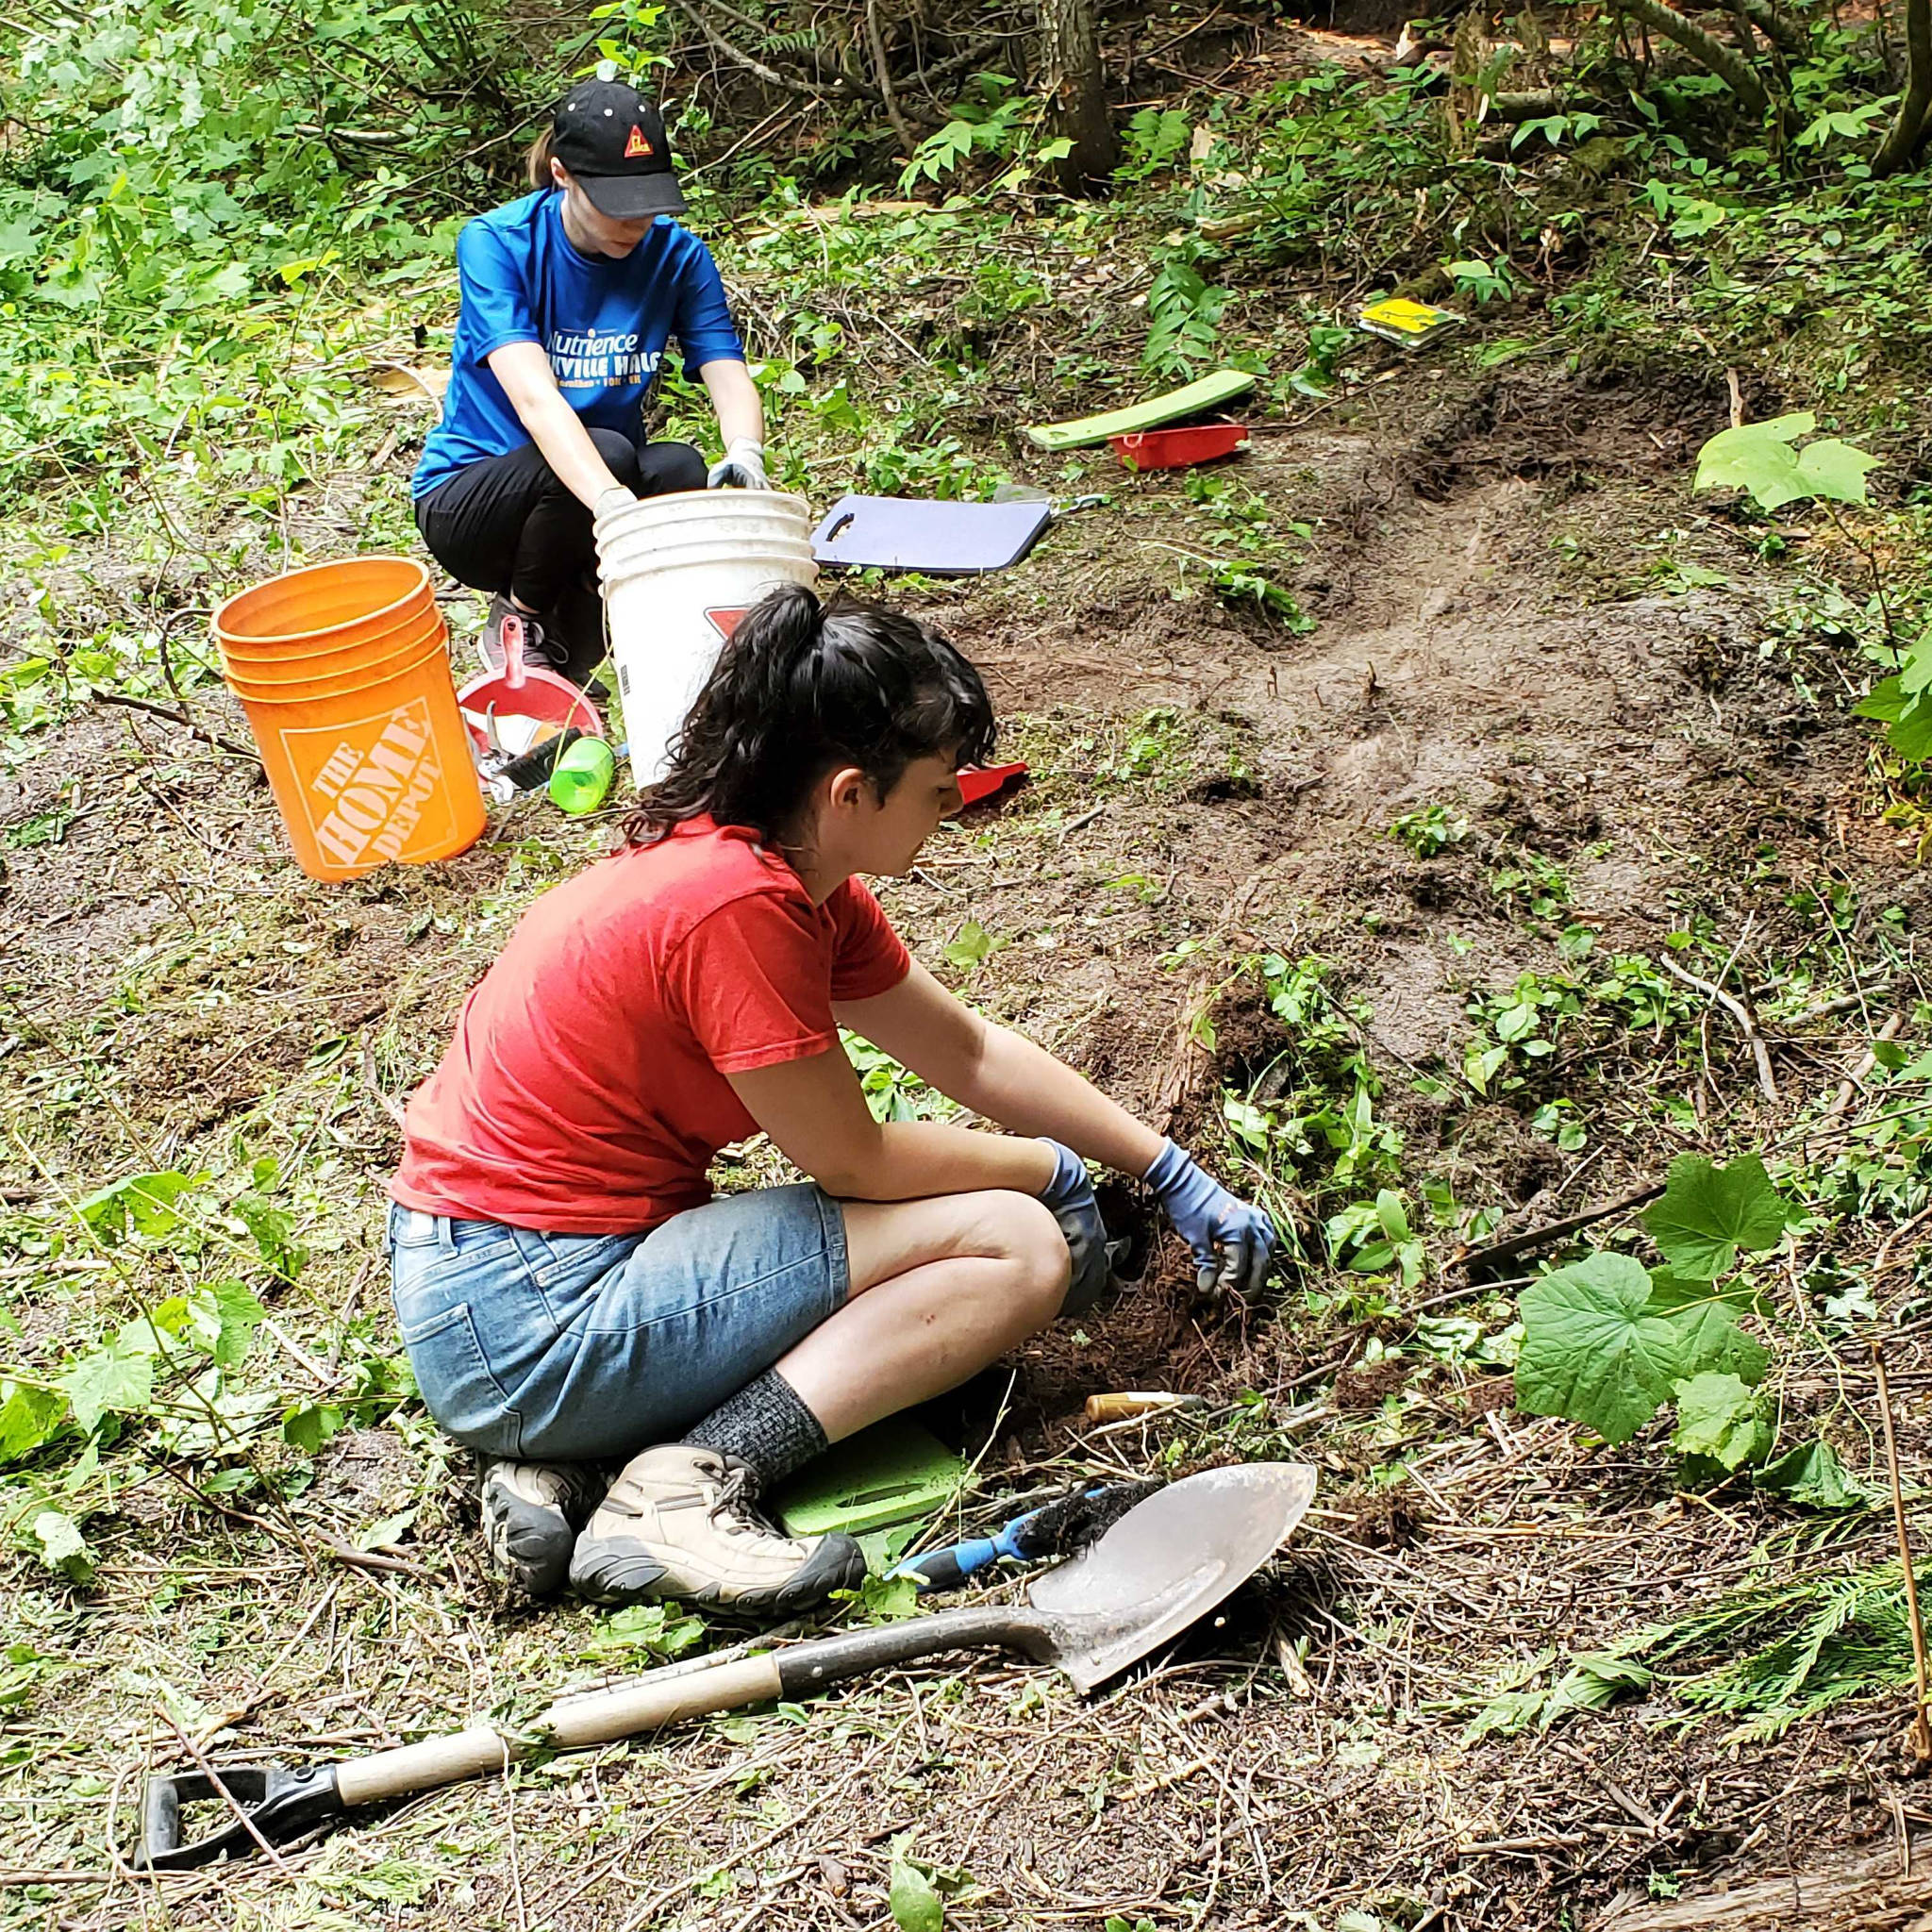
[(1494, 635)]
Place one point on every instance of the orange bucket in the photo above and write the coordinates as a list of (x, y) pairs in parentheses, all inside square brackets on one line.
[(253, 665), (369, 762), (337, 684), (326, 605)]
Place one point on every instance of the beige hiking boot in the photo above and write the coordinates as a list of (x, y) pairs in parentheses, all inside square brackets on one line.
[(680, 1522)]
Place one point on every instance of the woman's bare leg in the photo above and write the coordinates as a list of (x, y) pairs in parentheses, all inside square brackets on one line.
[(939, 1288)]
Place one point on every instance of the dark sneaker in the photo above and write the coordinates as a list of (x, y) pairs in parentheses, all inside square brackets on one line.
[(490, 649), (531, 1514), (680, 1520)]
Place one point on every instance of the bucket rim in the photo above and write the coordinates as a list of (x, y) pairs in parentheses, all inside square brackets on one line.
[(343, 684), (431, 622), (418, 589), (728, 502)]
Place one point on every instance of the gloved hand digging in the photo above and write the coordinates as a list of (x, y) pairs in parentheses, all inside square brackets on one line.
[(1232, 1240), (743, 467), (1070, 1197)]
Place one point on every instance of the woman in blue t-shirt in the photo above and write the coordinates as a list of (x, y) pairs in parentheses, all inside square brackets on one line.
[(569, 297)]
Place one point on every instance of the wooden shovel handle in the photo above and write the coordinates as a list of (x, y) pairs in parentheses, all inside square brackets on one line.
[(655, 1699), (595, 1719)]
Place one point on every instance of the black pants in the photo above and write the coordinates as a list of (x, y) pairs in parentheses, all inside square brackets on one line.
[(507, 524)]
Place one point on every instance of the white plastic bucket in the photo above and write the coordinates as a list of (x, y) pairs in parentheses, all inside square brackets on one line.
[(678, 573)]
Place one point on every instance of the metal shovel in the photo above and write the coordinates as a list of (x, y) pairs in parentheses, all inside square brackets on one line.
[(1167, 1562)]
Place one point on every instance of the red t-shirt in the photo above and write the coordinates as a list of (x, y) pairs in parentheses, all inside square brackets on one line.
[(585, 1091)]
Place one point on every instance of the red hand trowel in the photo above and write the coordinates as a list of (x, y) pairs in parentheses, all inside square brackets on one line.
[(533, 702)]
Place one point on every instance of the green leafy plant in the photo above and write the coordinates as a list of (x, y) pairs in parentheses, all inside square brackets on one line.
[(1763, 459), (1607, 1344), (1154, 138), (1430, 829), (1184, 311), (1375, 1236)]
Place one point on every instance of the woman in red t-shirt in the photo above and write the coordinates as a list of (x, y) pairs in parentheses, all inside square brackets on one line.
[(570, 1293)]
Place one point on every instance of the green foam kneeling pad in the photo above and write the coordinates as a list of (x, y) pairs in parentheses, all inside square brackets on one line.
[(1209, 392), (894, 1472)]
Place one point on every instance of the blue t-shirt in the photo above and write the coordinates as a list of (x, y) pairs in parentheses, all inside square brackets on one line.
[(603, 322)]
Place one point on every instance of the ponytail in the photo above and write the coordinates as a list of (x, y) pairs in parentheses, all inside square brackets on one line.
[(802, 687), (536, 160)]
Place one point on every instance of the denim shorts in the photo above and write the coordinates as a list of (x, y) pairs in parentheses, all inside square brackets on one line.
[(587, 1348)]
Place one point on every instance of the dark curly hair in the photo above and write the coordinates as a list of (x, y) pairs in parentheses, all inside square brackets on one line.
[(802, 689)]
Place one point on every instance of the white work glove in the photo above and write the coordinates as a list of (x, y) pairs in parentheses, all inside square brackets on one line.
[(610, 501), (743, 467)]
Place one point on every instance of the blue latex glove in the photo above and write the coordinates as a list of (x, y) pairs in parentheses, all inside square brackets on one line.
[(1070, 1196), (1233, 1242)]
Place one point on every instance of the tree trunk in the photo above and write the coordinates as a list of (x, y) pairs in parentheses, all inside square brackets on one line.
[(1908, 127), (1075, 91)]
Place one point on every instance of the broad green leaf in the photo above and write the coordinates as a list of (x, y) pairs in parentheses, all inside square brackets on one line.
[(1759, 458), (915, 1904), (142, 1201), (1812, 1474), (1708, 1213), (384, 1530), (62, 1546), (970, 948), (28, 1417), (273, 1229), (1670, 1294), (109, 1380), (1719, 1417), (1388, 1211), (1834, 468), (236, 1313), (1756, 457), (1709, 1338), (1590, 1350), (308, 1426), (1915, 673)]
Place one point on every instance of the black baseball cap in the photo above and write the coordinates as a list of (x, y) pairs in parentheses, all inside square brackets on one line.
[(612, 141)]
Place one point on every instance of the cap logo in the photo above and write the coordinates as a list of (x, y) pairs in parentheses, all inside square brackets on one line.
[(636, 145)]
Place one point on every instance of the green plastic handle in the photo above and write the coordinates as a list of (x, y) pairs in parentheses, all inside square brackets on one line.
[(1209, 392)]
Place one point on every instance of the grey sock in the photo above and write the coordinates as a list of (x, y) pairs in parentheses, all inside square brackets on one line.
[(764, 1424)]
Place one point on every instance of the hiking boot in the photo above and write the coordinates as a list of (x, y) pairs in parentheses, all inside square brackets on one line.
[(531, 1514), (680, 1522), (490, 650)]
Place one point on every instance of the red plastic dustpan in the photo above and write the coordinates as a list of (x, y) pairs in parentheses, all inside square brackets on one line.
[(544, 699), (1176, 449), (982, 781)]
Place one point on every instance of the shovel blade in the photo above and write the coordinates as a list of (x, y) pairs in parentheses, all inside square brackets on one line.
[(1167, 1562)]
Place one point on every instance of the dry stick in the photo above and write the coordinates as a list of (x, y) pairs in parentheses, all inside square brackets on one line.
[(1554, 1230), (875, 39), (1849, 1085), (182, 719), (227, 1797), (1921, 1734), (1740, 1014)]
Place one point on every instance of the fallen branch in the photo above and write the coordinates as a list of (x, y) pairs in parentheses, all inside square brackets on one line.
[(752, 64), (182, 719), (1554, 1230), (1786, 35), (1849, 1085), (1708, 51), (1859, 1898), (882, 70), (1740, 1014)]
